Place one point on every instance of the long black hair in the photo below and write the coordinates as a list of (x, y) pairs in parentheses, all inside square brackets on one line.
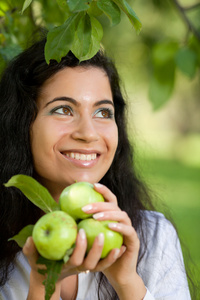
[(19, 88)]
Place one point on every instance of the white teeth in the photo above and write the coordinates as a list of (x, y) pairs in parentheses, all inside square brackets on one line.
[(76, 156), (80, 156), (83, 157)]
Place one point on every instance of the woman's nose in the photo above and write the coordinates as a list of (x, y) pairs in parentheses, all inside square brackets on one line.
[(86, 130)]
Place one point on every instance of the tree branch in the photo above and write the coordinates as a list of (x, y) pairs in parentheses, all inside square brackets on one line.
[(189, 24)]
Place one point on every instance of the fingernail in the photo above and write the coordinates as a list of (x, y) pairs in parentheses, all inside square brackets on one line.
[(100, 239), (86, 208), (123, 249), (82, 233), (114, 226), (98, 184), (28, 242), (116, 253), (98, 215)]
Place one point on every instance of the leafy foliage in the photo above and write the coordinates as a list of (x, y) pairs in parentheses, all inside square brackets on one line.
[(81, 32), (81, 26), (162, 81), (40, 196), (22, 236), (52, 272), (34, 191)]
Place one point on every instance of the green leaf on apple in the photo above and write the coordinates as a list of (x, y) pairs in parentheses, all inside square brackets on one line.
[(52, 271), (34, 191), (22, 236), (68, 254)]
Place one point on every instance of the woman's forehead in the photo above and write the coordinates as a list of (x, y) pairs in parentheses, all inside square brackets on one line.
[(77, 82)]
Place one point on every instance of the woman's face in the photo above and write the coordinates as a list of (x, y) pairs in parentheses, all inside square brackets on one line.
[(74, 136)]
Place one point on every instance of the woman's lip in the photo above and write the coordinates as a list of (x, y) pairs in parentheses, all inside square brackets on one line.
[(81, 151)]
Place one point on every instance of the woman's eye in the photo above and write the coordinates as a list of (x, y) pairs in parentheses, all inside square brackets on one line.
[(105, 113), (63, 110)]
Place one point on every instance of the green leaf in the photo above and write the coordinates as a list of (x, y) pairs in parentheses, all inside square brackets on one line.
[(162, 84), (94, 10), (95, 41), (163, 77), (82, 38), (164, 52), (4, 7), (186, 61), (62, 3), (68, 253), (111, 10), (26, 5), (34, 191), (22, 236), (64, 6), (126, 8), (53, 270), (97, 34), (78, 5), (194, 45), (60, 39)]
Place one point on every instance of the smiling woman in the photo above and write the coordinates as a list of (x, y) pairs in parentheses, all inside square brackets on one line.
[(76, 131), (65, 122)]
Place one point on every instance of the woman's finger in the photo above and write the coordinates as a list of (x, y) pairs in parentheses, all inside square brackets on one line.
[(119, 216), (99, 207), (106, 193), (31, 253), (30, 250), (130, 237), (94, 255), (110, 259), (78, 254)]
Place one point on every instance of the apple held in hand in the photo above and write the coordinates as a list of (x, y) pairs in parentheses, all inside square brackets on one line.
[(54, 234), (112, 239), (77, 195)]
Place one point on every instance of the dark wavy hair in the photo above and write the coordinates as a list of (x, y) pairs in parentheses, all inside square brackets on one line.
[(20, 86)]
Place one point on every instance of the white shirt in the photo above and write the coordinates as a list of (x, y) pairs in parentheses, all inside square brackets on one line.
[(161, 268)]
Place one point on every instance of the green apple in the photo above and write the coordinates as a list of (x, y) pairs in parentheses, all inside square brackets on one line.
[(77, 195), (112, 239), (54, 234)]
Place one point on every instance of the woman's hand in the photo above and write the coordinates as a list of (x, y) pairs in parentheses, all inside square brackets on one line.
[(121, 273), (76, 264), (120, 264)]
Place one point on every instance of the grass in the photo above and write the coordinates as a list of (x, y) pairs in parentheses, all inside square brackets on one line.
[(178, 187)]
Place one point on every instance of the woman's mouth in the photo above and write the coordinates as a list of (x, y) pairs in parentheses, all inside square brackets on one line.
[(81, 156), (82, 159)]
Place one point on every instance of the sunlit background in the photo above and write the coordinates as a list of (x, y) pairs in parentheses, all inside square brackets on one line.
[(167, 139), (164, 121)]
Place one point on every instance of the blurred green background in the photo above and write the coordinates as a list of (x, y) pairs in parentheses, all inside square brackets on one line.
[(161, 79), (167, 139)]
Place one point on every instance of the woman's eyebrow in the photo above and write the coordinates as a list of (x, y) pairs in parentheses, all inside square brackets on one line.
[(73, 101), (63, 98), (101, 102)]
